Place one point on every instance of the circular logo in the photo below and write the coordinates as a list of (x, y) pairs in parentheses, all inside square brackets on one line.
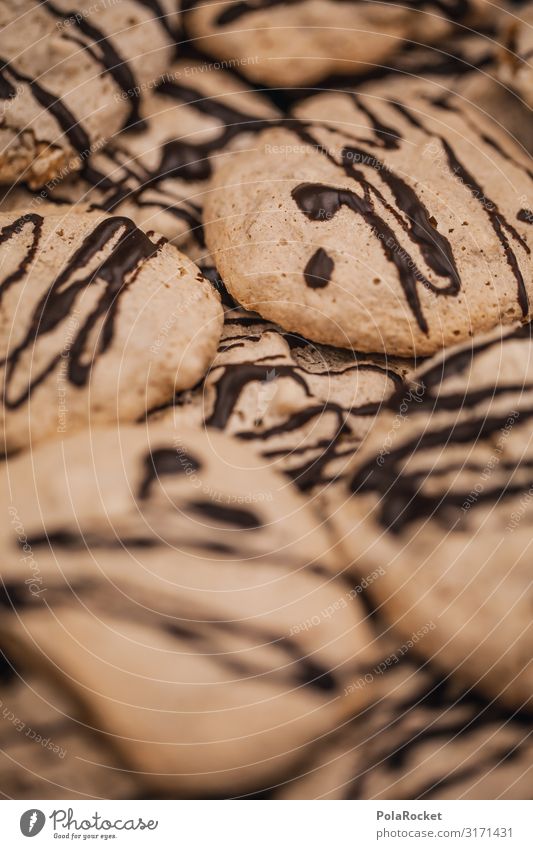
[(32, 822)]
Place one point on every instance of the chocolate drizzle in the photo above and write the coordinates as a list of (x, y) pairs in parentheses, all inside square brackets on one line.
[(322, 202), (15, 228), (310, 461), (73, 130), (500, 225), (319, 202), (403, 495), (525, 215), (165, 462), (318, 271), (118, 270)]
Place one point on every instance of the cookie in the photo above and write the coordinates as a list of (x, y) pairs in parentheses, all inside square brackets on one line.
[(424, 739), (184, 598), (155, 172), (516, 54), (440, 497), (395, 221), (98, 321), (46, 749), (71, 79), (305, 408), (282, 44)]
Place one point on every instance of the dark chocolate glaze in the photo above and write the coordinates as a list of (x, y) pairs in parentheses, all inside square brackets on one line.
[(500, 225), (181, 160), (105, 53), (305, 460), (225, 514), (232, 382), (73, 130), (10, 230), (118, 270), (525, 215), (165, 462), (403, 498), (319, 202)]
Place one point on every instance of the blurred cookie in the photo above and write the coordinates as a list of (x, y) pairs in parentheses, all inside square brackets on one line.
[(290, 44), (46, 749), (98, 322), (423, 738), (441, 497), (394, 223), (305, 408), (516, 65), (156, 171), (169, 585), (71, 79)]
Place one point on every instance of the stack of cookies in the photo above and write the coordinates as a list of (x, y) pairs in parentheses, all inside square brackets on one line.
[(266, 357)]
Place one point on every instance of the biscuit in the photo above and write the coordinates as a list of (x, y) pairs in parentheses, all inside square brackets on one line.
[(305, 408), (282, 44), (47, 750), (98, 322), (170, 587), (396, 221), (440, 497), (423, 736), (70, 80), (156, 171), (424, 739)]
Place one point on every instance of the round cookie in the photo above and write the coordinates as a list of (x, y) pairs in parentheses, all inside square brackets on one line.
[(71, 79), (156, 171), (169, 587), (46, 751), (305, 408), (394, 223), (98, 321), (440, 497), (280, 44)]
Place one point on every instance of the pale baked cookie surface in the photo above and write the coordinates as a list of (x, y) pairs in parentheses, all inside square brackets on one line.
[(70, 78), (395, 221), (441, 498), (303, 407), (168, 590), (98, 321), (156, 171), (300, 42)]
